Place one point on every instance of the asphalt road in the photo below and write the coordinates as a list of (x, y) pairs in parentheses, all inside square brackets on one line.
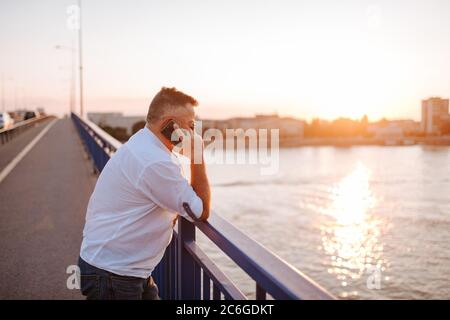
[(42, 209), (10, 149)]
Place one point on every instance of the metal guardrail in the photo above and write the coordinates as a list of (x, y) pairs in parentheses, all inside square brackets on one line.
[(99, 144), (7, 135), (186, 271)]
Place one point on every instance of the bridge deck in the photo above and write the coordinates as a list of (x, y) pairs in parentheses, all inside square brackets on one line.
[(42, 209)]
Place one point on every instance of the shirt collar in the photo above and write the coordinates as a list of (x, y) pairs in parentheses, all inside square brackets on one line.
[(155, 139)]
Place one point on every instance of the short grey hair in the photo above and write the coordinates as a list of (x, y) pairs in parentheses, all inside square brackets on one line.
[(165, 99)]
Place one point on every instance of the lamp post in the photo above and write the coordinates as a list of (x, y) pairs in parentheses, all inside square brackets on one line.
[(80, 59), (72, 77), (3, 93)]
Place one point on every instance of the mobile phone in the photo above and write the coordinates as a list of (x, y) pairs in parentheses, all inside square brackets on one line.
[(167, 131)]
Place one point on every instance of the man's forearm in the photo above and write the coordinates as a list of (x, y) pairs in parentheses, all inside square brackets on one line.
[(200, 184)]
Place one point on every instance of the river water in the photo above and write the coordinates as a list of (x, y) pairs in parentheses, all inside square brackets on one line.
[(363, 222)]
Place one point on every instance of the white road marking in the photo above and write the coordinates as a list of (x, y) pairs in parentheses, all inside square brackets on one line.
[(14, 162)]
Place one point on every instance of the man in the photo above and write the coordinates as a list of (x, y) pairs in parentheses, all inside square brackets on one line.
[(137, 198)]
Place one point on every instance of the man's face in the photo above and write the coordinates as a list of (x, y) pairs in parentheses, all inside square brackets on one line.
[(184, 117)]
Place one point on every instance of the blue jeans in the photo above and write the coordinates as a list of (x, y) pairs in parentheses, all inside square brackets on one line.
[(99, 284)]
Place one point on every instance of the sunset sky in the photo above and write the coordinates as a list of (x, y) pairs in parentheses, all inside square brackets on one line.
[(299, 58)]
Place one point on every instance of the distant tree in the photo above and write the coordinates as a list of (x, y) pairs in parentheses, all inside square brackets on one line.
[(119, 133), (364, 125), (341, 127), (344, 127), (317, 128), (383, 122), (137, 126), (365, 120)]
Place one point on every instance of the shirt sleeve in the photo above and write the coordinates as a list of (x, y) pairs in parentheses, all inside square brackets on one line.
[(164, 183)]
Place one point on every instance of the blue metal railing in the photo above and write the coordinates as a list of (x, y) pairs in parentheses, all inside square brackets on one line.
[(186, 272)]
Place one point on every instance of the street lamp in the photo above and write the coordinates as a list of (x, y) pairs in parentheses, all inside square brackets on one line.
[(80, 54), (3, 93), (4, 81), (72, 78), (74, 23)]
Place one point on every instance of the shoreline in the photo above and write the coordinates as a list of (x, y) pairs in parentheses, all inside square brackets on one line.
[(350, 142)]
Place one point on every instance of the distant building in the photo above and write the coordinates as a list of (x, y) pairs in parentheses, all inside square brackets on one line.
[(387, 131), (434, 114), (115, 120), (289, 127)]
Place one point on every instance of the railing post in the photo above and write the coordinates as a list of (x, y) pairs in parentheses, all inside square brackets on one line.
[(260, 292), (186, 264)]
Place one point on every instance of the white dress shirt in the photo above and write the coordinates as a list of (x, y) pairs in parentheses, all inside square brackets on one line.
[(130, 214)]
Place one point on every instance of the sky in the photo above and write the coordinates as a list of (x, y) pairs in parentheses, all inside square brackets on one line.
[(321, 58)]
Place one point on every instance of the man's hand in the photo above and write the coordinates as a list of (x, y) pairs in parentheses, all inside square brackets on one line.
[(191, 144), (192, 147)]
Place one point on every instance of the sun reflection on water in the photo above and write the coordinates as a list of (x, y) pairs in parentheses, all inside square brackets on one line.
[(351, 239)]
